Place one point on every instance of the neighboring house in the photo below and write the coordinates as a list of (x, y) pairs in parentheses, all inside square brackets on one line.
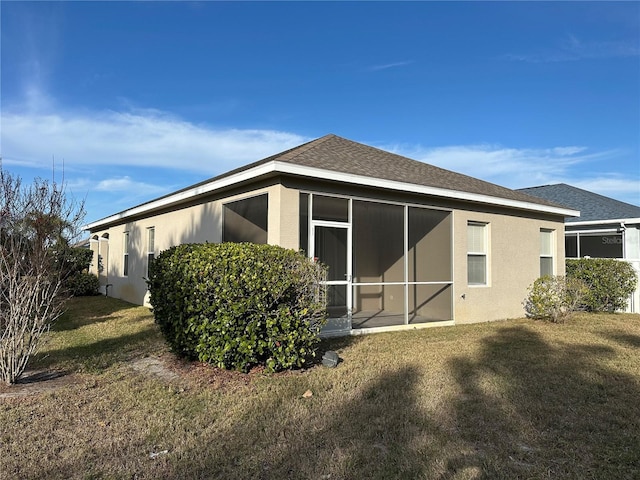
[(407, 244), (607, 228), (84, 243)]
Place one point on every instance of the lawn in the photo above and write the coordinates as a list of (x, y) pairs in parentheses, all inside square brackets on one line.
[(512, 399)]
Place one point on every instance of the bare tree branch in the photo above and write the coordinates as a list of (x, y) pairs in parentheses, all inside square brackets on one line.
[(36, 224)]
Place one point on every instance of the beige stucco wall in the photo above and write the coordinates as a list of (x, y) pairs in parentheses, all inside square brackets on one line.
[(514, 264), (284, 204), (194, 224), (514, 244), (514, 250)]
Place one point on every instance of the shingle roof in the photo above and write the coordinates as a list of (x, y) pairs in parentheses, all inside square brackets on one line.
[(332, 153), (591, 205), (338, 154)]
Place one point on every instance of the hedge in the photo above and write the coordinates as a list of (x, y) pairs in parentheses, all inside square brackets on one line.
[(83, 284), (609, 282), (237, 305)]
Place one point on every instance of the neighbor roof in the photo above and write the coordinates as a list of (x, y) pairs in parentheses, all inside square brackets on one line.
[(592, 206), (337, 159)]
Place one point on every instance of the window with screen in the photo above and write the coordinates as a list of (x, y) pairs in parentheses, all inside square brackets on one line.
[(477, 240), (546, 252)]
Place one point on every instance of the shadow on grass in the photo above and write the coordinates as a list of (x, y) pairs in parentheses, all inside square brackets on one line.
[(333, 344), (102, 353), (338, 343), (523, 408), (623, 339), (81, 311), (371, 436), (528, 409), (38, 377)]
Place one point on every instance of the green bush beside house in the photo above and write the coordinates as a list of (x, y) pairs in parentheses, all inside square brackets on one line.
[(610, 282), (83, 284), (591, 284), (237, 305), (554, 298)]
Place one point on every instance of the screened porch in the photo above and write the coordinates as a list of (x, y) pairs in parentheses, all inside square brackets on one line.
[(390, 264)]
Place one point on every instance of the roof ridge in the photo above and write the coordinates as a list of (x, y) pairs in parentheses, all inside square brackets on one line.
[(300, 149), (334, 153), (584, 192), (609, 199), (440, 169)]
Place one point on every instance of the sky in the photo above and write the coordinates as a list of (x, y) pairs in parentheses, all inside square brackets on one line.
[(128, 101)]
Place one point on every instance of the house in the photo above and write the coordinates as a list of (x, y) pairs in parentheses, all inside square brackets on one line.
[(408, 244), (607, 228)]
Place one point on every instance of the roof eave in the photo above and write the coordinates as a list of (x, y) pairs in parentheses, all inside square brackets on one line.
[(422, 189), (185, 195), (602, 222), (275, 166)]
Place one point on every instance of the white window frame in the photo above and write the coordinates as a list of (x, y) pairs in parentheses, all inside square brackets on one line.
[(125, 257), (151, 235), (477, 253), (551, 254)]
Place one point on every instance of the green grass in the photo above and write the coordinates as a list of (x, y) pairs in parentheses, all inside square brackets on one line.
[(513, 399)]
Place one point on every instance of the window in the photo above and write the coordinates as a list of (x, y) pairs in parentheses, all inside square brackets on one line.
[(125, 267), (594, 244), (151, 239), (477, 235), (246, 220), (603, 245), (331, 209), (571, 246), (304, 222), (546, 252)]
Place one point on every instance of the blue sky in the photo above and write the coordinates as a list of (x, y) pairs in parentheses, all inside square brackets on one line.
[(140, 99)]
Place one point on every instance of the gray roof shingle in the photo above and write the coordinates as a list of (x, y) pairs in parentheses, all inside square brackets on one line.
[(591, 205), (338, 154)]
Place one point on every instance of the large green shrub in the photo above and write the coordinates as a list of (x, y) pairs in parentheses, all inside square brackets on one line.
[(74, 263), (72, 260), (554, 297), (610, 282), (237, 305), (83, 284)]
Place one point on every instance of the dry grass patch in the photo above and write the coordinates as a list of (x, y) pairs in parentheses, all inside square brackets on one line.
[(516, 399)]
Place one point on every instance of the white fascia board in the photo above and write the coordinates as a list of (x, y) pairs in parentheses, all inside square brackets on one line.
[(572, 233), (420, 189), (319, 173), (617, 221), (185, 195)]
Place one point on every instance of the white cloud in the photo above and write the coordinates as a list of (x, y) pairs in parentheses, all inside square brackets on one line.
[(126, 184), (113, 192), (106, 153), (151, 138), (386, 66), (133, 138), (571, 49), (511, 167), (562, 151), (528, 167), (611, 185)]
